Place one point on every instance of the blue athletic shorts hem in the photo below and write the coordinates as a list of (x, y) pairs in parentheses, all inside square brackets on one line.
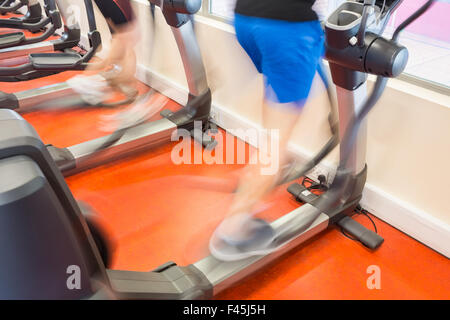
[(286, 53)]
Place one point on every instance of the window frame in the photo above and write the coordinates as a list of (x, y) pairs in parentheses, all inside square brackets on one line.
[(410, 78), (206, 12)]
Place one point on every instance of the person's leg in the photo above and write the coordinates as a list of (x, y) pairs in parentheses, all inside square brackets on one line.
[(254, 185), (120, 61), (125, 35), (289, 56), (122, 54)]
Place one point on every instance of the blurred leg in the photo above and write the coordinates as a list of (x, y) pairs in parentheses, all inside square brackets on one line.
[(125, 35), (254, 185), (287, 55)]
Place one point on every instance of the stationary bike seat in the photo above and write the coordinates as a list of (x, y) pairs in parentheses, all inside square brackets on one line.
[(55, 61), (11, 39)]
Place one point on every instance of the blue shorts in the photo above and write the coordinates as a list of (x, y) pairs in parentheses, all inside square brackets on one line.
[(286, 53)]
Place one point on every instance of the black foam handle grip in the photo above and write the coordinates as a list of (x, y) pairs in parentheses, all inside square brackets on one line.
[(367, 237)]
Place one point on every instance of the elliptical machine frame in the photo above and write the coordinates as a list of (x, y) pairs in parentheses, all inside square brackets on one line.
[(16, 44), (43, 64)]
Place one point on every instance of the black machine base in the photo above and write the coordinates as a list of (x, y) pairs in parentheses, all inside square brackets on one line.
[(197, 109), (168, 282), (340, 216)]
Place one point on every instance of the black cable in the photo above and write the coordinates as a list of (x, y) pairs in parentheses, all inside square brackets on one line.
[(366, 213), (306, 179), (313, 185), (360, 210), (411, 19)]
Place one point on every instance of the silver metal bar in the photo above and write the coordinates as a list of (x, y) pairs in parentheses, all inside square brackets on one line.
[(349, 104), (192, 58), (224, 274), (136, 139), (20, 51), (31, 98)]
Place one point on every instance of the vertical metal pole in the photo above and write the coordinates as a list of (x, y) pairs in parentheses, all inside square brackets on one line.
[(349, 104), (192, 58)]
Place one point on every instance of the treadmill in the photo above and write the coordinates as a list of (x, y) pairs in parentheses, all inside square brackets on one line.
[(32, 21), (88, 154), (36, 186), (47, 63), (16, 44)]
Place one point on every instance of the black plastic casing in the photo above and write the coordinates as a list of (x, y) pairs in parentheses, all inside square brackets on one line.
[(42, 231), (350, 64)]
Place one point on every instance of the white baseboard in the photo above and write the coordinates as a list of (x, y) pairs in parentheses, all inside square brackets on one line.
[(403, 216), (407, 218)]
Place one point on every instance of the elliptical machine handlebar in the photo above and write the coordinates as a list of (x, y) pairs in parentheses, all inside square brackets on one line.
[(369, 6)]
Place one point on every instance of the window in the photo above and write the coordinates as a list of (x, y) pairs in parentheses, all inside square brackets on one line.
[(222, 8), (427, 39)]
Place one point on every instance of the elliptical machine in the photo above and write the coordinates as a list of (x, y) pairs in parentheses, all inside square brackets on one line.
[(47, 63), (146, 135), (8, 6), (31, 21), (16, 44), (39, 214)]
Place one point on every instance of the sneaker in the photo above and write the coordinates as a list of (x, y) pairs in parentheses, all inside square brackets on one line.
[(92, 89), (253, 237)]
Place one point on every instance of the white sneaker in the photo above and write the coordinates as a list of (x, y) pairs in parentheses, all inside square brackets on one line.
[(139, 112), (93, 90), (254, 237)]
